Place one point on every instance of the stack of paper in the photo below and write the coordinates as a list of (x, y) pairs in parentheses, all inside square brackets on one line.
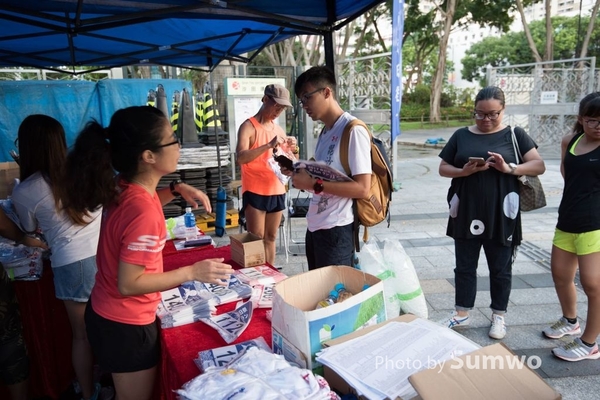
[(262, 296), (379, 363), (221, 356), (193, 300), (260, 275)]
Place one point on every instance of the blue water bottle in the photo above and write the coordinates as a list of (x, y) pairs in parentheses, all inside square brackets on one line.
[(191, 232)]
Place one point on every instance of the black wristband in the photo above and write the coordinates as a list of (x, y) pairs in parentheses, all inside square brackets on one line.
[(172, 187)]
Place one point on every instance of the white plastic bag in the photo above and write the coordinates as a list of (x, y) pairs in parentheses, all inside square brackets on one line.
[(401, 285)]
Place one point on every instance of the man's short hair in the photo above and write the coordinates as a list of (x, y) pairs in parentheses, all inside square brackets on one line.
[(318, 77)]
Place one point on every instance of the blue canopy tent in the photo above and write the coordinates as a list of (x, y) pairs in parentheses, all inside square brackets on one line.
[(54, 34)]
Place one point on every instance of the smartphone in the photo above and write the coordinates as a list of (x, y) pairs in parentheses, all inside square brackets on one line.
[(285, 162), (478, 160), (201, 241)]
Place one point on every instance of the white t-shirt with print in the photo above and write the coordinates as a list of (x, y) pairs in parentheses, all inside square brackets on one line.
[(326, 210)]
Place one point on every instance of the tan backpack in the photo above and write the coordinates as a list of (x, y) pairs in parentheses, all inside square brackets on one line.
[(373, 210)]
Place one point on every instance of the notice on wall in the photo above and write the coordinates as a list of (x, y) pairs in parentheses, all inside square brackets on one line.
[(549, 97)]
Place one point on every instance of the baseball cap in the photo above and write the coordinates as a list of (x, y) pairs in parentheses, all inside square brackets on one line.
[(278, 93)]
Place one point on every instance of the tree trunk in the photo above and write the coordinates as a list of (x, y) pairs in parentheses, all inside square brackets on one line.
[(438, 78), (590, 29), (549, 52), (530, 41)]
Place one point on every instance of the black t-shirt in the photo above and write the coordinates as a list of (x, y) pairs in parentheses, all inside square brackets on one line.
[(579, 209), (485, 205)]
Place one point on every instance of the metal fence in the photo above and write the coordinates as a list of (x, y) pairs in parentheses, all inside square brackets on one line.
[(543, 98)]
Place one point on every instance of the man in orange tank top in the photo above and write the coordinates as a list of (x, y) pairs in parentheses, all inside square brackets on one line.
[(263, 193)]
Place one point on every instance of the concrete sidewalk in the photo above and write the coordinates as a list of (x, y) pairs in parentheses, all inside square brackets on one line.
[(419, 216)]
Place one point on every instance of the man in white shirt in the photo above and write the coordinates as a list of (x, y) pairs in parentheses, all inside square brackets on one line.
[(329, 235)]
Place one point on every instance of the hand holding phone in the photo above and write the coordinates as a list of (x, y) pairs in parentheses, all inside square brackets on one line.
[(285, 162), (479, 161)]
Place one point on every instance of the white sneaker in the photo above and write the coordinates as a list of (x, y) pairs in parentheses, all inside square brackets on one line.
[(498, 328), (454, 321)]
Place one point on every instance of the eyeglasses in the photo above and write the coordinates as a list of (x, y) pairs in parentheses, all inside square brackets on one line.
[(492, 116), (306, 96), (176, 141), (592, 123)]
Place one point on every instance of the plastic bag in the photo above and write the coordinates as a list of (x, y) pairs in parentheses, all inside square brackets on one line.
[(394, 267)]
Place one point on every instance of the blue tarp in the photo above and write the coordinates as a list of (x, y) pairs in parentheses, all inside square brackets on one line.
[(73, 103)]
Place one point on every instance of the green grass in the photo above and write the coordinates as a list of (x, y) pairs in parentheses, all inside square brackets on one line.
[(426, 125)]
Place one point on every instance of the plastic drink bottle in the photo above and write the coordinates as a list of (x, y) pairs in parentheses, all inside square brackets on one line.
[(191, 232), (331, 299), (343, 294)]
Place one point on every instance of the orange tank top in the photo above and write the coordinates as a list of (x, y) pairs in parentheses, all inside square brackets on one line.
[(257, 175)]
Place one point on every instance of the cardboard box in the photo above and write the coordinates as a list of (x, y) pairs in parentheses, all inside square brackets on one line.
[(504, 376), (9, 171), (299, 330), (247, 249), (495, 373)]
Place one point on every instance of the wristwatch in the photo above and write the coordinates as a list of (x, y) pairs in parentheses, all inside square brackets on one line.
[(172, 187), (318, 186), (512, 167)]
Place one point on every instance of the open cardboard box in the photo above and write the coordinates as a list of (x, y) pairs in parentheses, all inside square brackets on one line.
[(457, 382), (299, 330), (247, 249)]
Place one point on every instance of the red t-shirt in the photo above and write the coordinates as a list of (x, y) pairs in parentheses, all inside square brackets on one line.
[(133, 231)]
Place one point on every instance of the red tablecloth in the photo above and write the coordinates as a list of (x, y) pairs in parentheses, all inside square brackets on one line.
[(181, 345), (47, 333)]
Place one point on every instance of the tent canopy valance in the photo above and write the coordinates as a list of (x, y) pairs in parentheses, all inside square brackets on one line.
[(186, 33)]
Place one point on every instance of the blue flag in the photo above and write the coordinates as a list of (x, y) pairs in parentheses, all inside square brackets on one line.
[(397, 32)]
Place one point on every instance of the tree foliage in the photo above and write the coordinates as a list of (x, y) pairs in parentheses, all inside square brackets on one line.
[(513, 49)]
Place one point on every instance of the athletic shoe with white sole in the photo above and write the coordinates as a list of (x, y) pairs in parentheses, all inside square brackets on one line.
[(575, 350), (498, 328), (561, 328), (454, 321)]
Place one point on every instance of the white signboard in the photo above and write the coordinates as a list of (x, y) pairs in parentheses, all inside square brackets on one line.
[(549, 97), (244, 99)]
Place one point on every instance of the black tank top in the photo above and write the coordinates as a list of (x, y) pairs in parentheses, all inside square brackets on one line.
[(579, 209)]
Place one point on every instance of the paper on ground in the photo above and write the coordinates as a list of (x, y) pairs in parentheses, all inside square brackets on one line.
[(379, 363)]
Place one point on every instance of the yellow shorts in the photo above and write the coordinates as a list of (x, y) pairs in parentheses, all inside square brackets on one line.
[(577, 243)]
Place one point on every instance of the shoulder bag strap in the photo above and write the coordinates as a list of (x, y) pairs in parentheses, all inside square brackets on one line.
[(518, 155)]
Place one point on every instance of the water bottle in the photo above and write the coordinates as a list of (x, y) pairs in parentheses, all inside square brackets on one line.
[(343, 294), (329, 300), (191, 232)]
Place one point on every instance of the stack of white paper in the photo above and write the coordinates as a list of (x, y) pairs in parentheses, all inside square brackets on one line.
[(379, 363), (194, 300)]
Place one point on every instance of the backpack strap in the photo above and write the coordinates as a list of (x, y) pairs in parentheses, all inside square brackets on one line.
[(344, 145)]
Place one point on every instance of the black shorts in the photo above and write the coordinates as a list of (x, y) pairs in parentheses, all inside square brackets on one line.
[(122, 347), (269, 204), (14, 362)]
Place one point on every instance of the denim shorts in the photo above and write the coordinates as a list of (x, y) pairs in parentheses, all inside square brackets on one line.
[(75, 281)]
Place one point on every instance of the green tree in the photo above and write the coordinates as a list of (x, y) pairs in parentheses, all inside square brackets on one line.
[(513, 48)]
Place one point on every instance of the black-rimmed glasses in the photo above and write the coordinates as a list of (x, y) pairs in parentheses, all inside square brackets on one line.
[(492, 116), (592, 123), (176, 141), (306, 96)]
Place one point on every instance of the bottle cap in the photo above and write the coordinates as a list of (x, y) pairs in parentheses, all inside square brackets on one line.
[(333, 294), (340, 286), (188, 209)]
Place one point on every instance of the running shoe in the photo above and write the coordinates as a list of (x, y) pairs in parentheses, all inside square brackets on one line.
[(561, 328), (575, 350)]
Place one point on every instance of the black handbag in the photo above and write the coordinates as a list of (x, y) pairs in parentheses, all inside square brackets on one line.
[(531, 196), (299, 206)]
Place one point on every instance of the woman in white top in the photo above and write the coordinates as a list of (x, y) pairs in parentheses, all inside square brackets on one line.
[(41, 201)]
